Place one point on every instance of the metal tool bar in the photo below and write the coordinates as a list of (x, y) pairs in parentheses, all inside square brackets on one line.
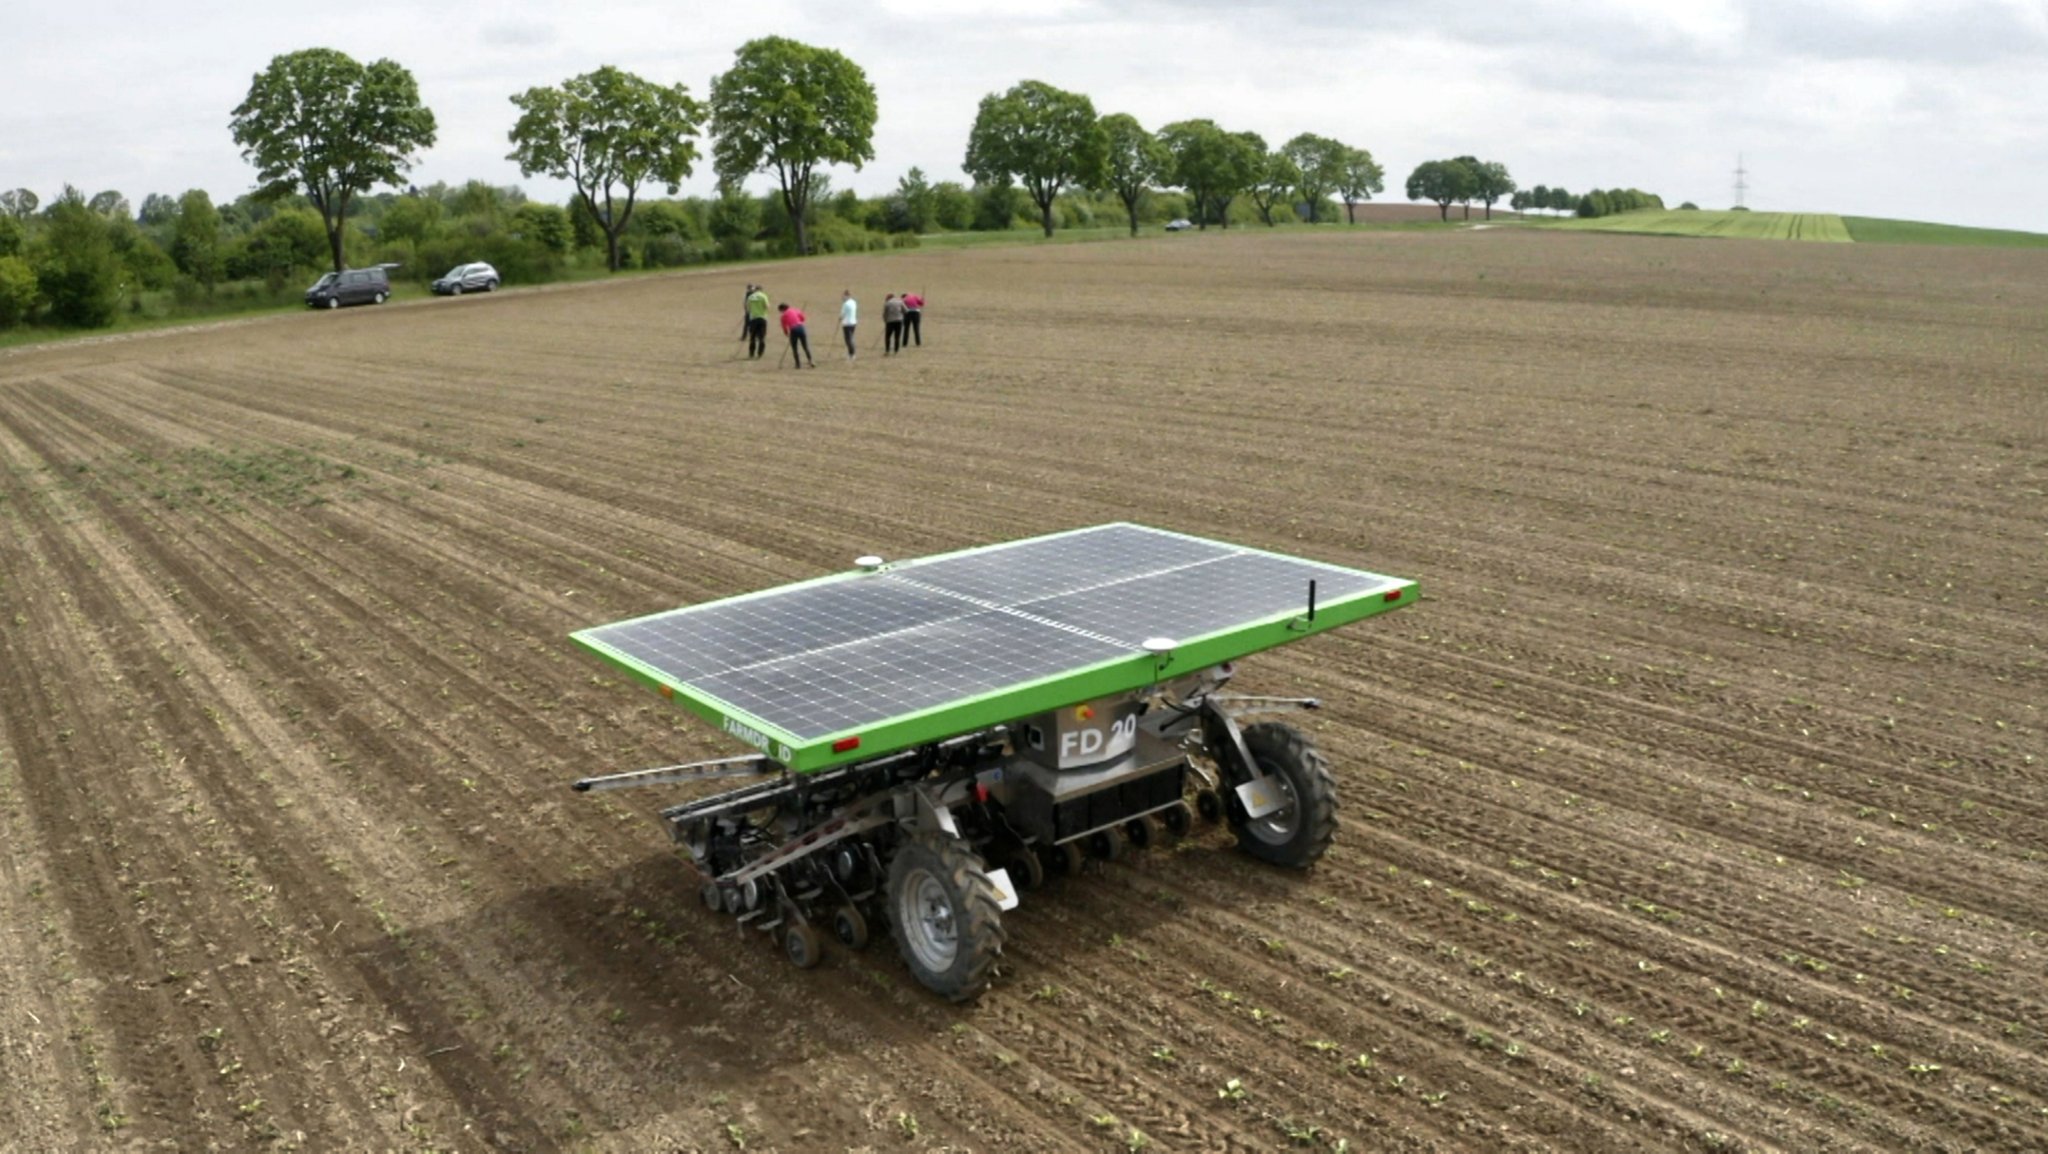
[(748, 765), (1250, 705)]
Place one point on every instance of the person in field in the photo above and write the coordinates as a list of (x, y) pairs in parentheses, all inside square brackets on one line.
[(799, 340), (913, 318), (757, 321), (849, 315), (892, 325)]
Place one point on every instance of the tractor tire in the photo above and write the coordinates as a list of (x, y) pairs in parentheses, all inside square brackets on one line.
[(944, 915), (1298, 833), (1209, 805)]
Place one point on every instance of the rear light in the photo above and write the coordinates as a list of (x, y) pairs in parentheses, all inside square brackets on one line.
[(1393, 594), (846, 744)]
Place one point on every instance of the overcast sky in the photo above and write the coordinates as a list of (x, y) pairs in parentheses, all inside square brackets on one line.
[(1918, 109)]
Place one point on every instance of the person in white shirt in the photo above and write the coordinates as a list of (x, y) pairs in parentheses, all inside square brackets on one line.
[(849, 314)]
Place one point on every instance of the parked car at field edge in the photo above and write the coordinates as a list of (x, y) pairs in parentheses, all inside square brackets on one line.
[(467, 278), (352, 286), (1179, 225)]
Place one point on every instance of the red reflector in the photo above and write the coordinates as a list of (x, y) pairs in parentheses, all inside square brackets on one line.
[(980, 792), (668, 691), (845, 743), (1394, 595)]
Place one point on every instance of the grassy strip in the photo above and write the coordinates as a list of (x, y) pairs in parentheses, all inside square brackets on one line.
[(1749, 225), (1872, 230)]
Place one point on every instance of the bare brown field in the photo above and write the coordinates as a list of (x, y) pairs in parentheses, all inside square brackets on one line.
[(1701, 804)]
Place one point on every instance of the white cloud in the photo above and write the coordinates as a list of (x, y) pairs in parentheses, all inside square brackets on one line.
[(1883, 107)]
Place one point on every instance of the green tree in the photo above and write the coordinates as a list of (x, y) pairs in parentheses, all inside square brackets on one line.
[(735, 222), (195, 238), (1274, 176), (157, 209), (317, 120), (789, 107), (1133, 160), (1442, 181), (483, 202), (952, 206), (607, 132), (1203, 163), (919, 204), (1244, 166), (547, 225), (79, 274), (19, 203), (1319, 164), (109, 204), (1490, 181), (289, 239), (1043, 137), (13, 236), (995, 205), (409, 220), (19, 293), (145, 262), (1360, 177)]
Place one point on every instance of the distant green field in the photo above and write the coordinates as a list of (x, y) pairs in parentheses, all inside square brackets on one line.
[(1871, 230), (1753, 225), (1799, 226)]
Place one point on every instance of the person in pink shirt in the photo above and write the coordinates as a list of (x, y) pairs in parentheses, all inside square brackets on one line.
[(913, 318), (799, 340)]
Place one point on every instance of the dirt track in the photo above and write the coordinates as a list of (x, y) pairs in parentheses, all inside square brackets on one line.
[(1700, 805)]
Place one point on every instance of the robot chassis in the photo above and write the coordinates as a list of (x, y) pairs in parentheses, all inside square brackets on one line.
[(936, 841)]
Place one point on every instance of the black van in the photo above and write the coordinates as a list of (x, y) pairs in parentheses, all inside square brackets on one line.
[(350, 287)]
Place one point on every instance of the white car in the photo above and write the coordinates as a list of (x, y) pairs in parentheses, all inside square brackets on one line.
[(467, 278), (1179, 225)]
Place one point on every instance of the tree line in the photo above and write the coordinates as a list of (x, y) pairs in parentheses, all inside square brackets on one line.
[(324, 132)]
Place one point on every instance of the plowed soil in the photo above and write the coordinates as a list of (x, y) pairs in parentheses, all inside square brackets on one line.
[(1700, 804)]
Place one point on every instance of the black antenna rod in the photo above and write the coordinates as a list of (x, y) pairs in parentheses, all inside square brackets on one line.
[(1311, 599)]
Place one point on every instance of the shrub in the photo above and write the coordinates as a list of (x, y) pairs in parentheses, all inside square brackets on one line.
[(546, 225), (288, 242), (952, 206), (735, 219), (79, 275), (996, 206), (832, 234), (670, 251), (18, 293)]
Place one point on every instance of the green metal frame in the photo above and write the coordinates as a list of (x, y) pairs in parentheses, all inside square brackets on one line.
[(1071, 687)]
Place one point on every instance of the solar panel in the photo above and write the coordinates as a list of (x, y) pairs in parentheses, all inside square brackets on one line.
[(929, 648)]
